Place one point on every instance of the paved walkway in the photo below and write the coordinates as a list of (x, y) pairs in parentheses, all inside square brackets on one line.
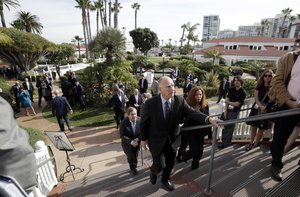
[(97, 149)]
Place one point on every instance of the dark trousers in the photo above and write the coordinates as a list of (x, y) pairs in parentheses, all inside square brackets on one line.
[(31, 95), (222, 94), (61, 123), (119, 116), (40, 97), (168, 155), (81, 102), (283, 128), (228, 130), (195, 142), (132, 155)]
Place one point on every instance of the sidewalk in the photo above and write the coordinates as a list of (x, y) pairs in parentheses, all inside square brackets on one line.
[(97, 149)]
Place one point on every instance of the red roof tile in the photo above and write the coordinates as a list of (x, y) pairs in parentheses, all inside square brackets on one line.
[(252, 39)]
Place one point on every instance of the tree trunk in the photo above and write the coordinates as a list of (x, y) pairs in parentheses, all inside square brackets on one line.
[(135, 19), (109, 13), (2, 14), (84, 32)]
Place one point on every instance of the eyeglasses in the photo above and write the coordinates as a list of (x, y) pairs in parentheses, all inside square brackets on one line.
[(268, 76)]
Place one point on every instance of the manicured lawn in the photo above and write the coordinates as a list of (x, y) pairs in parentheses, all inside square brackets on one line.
[(91, 117)]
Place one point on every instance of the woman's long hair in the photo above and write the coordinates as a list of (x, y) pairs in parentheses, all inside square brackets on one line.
[(191, 97), (260, 81)]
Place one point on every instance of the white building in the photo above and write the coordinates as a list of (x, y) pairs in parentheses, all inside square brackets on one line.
[(247, 49), (211, 26)]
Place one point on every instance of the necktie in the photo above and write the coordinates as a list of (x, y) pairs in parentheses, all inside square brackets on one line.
[(167, 110), (133, 127)]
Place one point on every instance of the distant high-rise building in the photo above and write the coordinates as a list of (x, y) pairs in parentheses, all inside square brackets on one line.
[(211, 26), (267, 26), (248, 30), (226, 33)]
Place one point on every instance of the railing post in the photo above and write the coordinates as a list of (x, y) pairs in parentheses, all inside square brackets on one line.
[(208, 191)]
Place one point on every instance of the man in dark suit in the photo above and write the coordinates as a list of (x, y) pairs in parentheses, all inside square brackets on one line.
[(60, 109), (223, 89), (130, 137), (15, 89), (117, 102), (29, 87), (38, 85), (143, 84), (135, 101), (67, 90), (160, 131), (187, 88), (79, 95)]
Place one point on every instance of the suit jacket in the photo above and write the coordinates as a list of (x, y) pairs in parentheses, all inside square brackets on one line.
[(30, 86), (278, 91), (227, 86), (132, 100), (157, 130), (126, 132), (187, 88), (118, 106), (145, 84), (60, 106), (79, 90)]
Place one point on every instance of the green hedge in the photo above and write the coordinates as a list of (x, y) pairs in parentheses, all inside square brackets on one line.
[(210, 91)]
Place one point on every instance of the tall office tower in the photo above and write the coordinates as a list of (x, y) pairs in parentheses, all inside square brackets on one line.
[(211, 26)]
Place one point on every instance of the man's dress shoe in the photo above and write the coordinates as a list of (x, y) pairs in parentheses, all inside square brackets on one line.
[(153, 178), (168, 184), (276, 173)]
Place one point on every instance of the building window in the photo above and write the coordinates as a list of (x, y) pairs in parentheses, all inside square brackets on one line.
[(255, 48)]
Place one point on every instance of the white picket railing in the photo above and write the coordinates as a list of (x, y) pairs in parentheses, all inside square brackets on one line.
[(46, 177), (242, 130)]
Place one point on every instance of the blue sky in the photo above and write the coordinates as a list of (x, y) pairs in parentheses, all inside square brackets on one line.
[(62, 21)]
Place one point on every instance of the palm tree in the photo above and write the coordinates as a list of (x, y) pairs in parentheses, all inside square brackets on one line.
[(5, 38), (110, 42), (78, 39), (264, 24), (190, 31), (214, 54), (27, 22), (136, 7), (182, 37), (286, 12), (116, 9), (7, 3), (83, 4), (291, 20), (98, 7)]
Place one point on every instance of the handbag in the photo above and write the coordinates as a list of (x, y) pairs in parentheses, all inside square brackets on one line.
[(272, 106), (255, 110)]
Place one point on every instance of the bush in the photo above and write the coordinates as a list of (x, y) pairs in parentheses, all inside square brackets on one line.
[(210, 91), (34, 136), (249, 86)]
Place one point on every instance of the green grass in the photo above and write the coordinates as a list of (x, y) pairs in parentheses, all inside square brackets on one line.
[(91, 117), (34, 136)]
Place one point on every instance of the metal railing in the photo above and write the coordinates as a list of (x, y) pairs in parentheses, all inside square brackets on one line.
[(265, 116)]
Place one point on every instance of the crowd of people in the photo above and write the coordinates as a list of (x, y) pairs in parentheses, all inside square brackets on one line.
[(154, 120), (163, 116)]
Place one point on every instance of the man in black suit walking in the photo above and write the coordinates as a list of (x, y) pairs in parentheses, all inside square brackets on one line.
[(130, 137), (223, 89), (143, 84), (60, 109), (117, 102), (135, 100), (187, 88), (160, 131)]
